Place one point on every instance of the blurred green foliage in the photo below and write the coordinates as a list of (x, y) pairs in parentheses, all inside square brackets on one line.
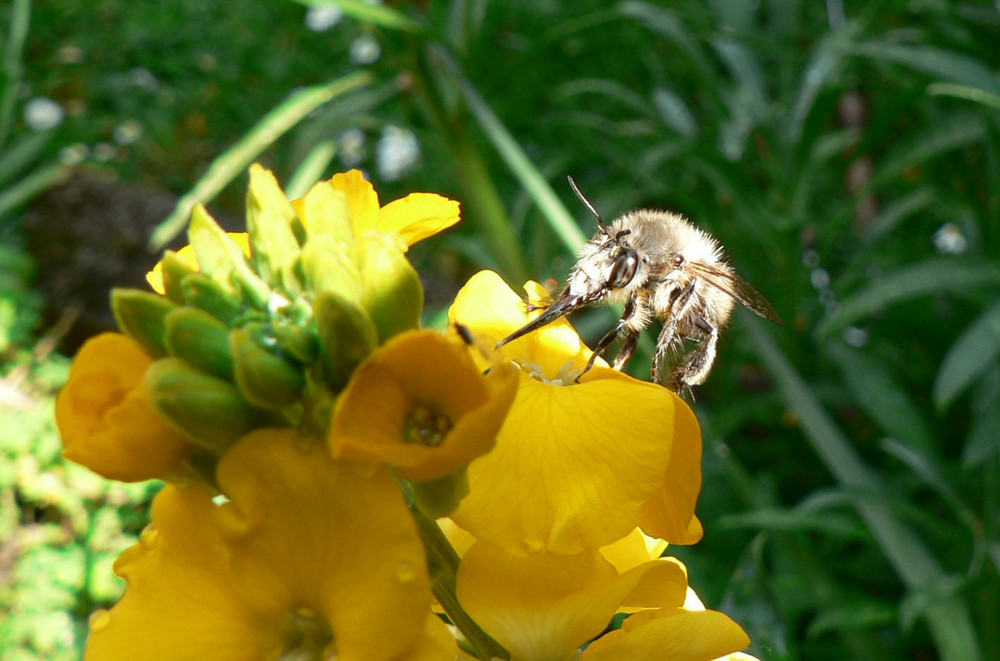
[(847, 156)]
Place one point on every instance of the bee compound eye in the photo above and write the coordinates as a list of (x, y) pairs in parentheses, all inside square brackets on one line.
[(623, 269)]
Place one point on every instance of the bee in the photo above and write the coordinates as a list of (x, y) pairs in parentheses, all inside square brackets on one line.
[(658, 265)]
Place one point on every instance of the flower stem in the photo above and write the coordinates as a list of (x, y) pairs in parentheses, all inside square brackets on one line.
[(443, 563)]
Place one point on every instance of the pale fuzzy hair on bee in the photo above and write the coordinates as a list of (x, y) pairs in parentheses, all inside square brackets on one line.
[(658, 265)]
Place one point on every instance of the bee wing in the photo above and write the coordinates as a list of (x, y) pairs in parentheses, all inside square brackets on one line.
[(738, 288)]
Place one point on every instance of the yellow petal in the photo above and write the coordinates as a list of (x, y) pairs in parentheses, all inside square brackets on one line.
[(633, 550), (305, 530), (361, 198), (580, 461), (418, 216), (488, 306), (675, 634), (305, 547), (545, 606), (178, 580), (106, 420), (670, 515), (421, 371)]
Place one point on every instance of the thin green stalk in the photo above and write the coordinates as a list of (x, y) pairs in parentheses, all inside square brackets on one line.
[(443, 562), (949, 621), (13, 66), (552, 208), (481, 201), (237, 158)]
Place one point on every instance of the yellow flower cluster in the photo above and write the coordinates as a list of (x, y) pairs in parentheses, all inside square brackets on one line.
[(343, 484)]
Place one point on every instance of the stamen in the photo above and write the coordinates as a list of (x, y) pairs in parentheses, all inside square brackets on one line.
[(426, 426)]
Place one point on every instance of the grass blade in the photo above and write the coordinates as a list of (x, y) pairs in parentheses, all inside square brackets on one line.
[(929, 277), (973, 352), (552, 208), (948, 619), (369, 12), (237, 158)]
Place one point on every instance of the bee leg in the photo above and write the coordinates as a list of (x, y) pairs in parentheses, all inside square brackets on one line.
[(698, 364), (621, 328), (628, 348), (604, 343), (669, 339)]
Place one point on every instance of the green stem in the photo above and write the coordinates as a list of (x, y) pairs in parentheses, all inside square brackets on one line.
[(481, 200), (443, 562), (13, 66)]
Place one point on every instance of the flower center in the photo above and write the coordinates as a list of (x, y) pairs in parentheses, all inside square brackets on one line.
[(426, 426), (306, 636), (567, 376)]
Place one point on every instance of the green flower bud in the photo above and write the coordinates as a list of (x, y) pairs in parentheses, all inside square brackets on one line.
[(221, 258), (392, 293), (328, 213), (174, 269), (265, 378), (206, 410), (201, 291), (140, 315), (270, 217), (327, 265), (201, 340), (346, 336)]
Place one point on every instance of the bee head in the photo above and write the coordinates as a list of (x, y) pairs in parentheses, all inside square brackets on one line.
[(607, 263)]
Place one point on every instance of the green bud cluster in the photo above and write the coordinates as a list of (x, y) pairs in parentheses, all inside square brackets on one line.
[(272, 337)]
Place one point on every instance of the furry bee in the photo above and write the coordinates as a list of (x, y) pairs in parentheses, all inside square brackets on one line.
[(660, 266)]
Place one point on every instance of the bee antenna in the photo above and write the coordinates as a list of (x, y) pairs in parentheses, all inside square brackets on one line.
[(586, 202)]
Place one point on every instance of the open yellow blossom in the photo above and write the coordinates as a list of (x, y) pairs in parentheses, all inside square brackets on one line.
[(420, 404), (414, 217), (308, 559), (546, 606), (587, 462), (106, 420)]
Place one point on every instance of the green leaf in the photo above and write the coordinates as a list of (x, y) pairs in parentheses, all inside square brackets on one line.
[(937, 62), (552, 208), (235, 160), (948, 618), (881, 395), (975, 350), (929, 277), (852, 613), (984, 439), (369, 12)]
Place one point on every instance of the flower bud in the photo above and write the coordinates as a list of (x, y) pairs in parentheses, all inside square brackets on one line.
[(201, 340), (202, 292), (140, 315), (206, 410), (173, 269), (328, 265), (223, 259), (325, 212), (269, 223), (346, 336), (392, 294), (264, 377)]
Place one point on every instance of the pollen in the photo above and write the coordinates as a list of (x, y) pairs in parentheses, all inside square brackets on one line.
[(427, 426)]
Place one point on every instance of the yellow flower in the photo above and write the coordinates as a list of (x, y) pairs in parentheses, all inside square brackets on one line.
[(308, 559), (414, 217), (586, 462), (546, 606), (105, 418), (420, 404)]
